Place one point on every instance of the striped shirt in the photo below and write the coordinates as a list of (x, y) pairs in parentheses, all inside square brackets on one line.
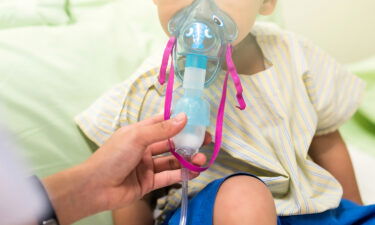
[(303, 92)]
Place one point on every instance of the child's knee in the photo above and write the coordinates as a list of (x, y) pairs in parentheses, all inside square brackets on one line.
[(245, 188), (244, 197)]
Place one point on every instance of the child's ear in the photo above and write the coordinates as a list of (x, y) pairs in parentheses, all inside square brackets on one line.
[(267, 7)]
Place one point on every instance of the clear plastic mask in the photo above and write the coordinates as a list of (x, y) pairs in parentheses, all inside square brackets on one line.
[(202, 29)]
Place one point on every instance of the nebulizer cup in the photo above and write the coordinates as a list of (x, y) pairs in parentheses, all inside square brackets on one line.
[(193, 104)]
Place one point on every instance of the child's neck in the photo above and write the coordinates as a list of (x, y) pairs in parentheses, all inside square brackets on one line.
[(248, 56)]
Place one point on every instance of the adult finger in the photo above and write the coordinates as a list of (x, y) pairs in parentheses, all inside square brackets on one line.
[(159, 148), (169, 177), (146, 122), (171, 163), (152, 120), (163, 146), (166, 163), (147, 135), (199, 159)]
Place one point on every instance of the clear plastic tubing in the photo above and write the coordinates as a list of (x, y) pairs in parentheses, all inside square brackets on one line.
[(185, 200), (196, 108)]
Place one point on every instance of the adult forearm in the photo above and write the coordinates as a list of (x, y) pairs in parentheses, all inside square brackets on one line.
[(72, 195), (330, 152)]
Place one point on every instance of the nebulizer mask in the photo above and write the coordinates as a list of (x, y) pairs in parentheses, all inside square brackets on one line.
[(201, 36)]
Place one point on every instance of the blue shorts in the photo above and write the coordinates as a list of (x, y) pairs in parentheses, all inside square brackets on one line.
[(201, 211)]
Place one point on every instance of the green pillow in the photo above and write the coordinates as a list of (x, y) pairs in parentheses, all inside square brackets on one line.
[(18, 13)]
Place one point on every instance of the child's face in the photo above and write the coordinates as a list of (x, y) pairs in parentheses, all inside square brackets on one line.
[(243, 12)]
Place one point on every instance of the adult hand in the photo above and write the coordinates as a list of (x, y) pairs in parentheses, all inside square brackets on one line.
[(121, 171)]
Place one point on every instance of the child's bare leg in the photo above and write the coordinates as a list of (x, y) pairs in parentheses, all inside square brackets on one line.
[(139, 213), (244, 200)]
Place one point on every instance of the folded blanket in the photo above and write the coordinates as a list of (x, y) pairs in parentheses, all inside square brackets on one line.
[(17, 13)]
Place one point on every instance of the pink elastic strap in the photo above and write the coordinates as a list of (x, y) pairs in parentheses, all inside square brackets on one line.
[(164, 64), (168, 94), (236, 79)]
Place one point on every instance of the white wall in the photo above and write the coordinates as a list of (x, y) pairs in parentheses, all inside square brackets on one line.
[(344, 28)]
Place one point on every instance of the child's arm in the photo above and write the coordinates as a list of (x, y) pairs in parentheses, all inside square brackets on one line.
[(330, 152), (139, 213)]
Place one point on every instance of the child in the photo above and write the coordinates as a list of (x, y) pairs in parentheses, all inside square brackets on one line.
[(286, 143)]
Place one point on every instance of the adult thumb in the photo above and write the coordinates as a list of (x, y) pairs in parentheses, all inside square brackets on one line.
[(161, 131)]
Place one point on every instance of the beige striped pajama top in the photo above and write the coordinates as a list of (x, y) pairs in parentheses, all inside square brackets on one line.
[(303, 92)]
